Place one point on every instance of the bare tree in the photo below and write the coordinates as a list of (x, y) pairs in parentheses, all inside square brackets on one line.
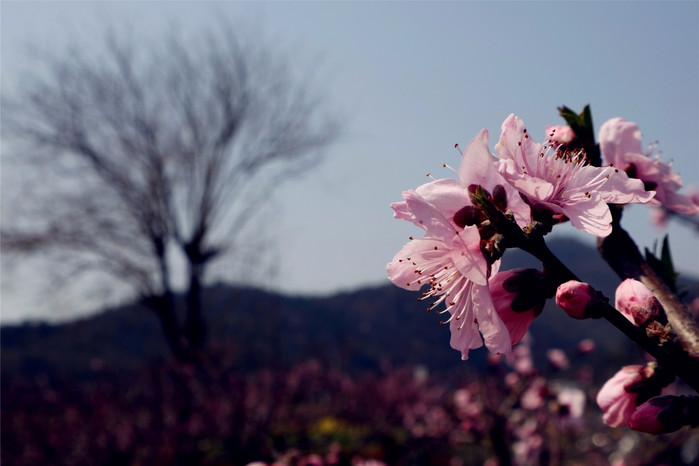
[(147, 151)]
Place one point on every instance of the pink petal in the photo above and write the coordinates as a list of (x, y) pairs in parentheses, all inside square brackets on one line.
[(480, 167), (618, 137), (429, 217), (467, 256), (495, 334), (620, 189), (591, 216), (401, 270), (446, 195)]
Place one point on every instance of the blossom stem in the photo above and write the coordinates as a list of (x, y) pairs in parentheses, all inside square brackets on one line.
[(679, 362), (673, 358), (621, 252)]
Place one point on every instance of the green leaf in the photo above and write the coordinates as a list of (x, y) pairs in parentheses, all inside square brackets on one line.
[(582, 126), (572, 118), (663, 266), (586, 117), (666, 259)]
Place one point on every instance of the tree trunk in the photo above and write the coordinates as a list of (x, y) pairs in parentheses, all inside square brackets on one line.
[(164, 308), (164, 305), (195, 329)]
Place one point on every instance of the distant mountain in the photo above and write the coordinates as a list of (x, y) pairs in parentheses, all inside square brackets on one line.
[(356, 331)]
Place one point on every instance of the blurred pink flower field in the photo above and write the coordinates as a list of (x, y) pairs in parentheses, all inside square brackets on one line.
[(312, 414)]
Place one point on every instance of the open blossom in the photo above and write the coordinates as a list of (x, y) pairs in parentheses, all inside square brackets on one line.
[(449, 260), (558, 358), (620, 144), (615, 398), (562, 182)]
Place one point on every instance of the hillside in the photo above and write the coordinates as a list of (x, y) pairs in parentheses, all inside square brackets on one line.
[(354, 331)]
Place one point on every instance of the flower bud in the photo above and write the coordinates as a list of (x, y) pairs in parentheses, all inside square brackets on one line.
[(664, 414), (635, 301), (617, 403), (518, 298), (560, 134), (579, 300), (629, 387)]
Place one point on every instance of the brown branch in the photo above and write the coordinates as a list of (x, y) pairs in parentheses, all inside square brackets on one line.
[(622, 254)]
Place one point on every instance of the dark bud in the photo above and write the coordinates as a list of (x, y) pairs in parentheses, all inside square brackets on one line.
[(477, 194), (664, 414), (500, 198), (530, 288), (469, 215)]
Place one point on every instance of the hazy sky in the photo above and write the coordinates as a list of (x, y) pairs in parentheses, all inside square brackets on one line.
[(412, 79)]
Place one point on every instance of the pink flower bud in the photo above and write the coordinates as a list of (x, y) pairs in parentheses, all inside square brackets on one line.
[(518, 298), (560, 134), (664, 414), (635, 301), (577, 299), (632, 385), (645, 418)]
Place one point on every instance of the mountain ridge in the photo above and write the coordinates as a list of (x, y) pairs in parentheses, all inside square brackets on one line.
[(357, 330)]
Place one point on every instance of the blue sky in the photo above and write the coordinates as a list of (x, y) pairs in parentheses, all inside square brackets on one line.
[(412, 79)]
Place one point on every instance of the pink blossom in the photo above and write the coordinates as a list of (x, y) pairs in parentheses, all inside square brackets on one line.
[(635, 301), (694, 195), (449, 259), (574, 399), (658, 217), (562, 182), (694, 307), (586, 346), (560, 134), (620, 144), (557, 358), (521, 359), (535, 395), (615, 400)]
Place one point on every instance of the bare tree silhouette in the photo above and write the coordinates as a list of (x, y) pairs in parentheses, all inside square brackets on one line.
[(146, 151)]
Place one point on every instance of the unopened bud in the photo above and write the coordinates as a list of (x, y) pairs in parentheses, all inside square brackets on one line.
[(560, 134), (518, 296), (579, 300), (630, 387), (469, 215), (664, 414), (635, 301)]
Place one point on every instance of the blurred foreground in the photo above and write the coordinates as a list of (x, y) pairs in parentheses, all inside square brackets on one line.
[(312, 414)]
